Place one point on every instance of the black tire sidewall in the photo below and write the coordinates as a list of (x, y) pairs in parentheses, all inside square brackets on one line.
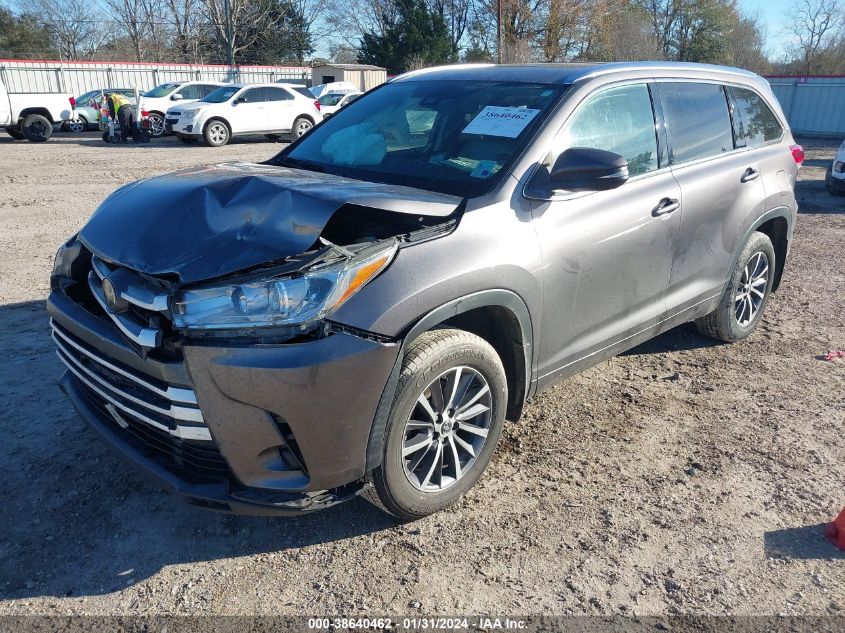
[(395, 491), (758, 242), (296, 122), (30, 134)]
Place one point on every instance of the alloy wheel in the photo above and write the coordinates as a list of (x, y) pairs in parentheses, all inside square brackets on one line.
[(218, 133), (302, 127), (447, 429), (77, 126), (156, 124), (751, 289)]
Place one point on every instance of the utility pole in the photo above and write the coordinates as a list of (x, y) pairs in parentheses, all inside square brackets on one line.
[(230, 45), (499, 31)]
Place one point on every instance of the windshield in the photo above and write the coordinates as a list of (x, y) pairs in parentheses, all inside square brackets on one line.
[(88, 96), (221, 94), (447, 136), (161, 91)]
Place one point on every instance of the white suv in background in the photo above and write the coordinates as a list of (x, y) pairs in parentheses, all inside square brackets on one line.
[(273, 110), (160, 98), (835, 176)]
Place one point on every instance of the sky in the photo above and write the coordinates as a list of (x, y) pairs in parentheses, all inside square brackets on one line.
[(772, 15)]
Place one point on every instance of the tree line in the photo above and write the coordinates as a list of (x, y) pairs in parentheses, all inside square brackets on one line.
[(408, 34)]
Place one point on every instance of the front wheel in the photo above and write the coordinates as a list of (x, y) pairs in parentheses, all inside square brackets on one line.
[(76, 127), (445, 422), (747, 294), (216, 133)]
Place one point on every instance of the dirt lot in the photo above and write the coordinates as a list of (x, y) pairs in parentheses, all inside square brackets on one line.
[(682, 477)]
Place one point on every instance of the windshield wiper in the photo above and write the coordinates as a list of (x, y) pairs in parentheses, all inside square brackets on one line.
[(299, 164)]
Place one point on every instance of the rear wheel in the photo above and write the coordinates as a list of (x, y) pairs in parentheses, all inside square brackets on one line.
[(216, 133), (301, 126), (445, 422), (37, 128), (156, 124), (747, 294), (15, 133)]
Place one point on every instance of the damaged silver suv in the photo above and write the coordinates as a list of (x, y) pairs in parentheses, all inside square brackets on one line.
[(362, 312)]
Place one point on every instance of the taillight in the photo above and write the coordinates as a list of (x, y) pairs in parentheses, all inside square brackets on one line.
[(797, 153), (145, 114), (72, 102), (317, 104)]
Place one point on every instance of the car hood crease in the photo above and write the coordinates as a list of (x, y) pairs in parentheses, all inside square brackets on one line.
[(212, 221)]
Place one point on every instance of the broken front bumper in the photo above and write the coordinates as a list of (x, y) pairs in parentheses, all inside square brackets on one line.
[(275, 429)]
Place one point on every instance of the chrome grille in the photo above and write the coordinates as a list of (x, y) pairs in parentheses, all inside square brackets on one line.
[(169, 408), (129, 290)]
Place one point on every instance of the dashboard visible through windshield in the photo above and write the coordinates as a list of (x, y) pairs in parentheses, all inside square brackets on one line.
[(452, 137)]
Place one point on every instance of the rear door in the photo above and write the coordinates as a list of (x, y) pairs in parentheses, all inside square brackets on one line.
[(757, 129), (607, 254), (248, 113), (721, 190), (279, 109)]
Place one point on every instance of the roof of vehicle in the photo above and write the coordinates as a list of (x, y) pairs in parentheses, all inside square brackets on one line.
[(561, 73)]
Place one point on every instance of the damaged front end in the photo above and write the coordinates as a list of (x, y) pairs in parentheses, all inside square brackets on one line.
[(193, 315)]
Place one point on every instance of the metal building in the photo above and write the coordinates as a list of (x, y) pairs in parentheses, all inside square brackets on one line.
[(813, 105), (363, 76)]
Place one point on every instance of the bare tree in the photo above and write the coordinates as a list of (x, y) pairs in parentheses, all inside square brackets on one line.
[(455, 14), (348, 20), (132, 19), (184, 16), (75, 34), (233, 24), (816, 25)]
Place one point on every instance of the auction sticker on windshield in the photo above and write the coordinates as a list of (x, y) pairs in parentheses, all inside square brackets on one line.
[(500, 121)]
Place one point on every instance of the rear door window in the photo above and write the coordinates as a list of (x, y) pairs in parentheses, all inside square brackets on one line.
[(277, 94), (697, 120), (191, 92), (618, 120), (754, 122)]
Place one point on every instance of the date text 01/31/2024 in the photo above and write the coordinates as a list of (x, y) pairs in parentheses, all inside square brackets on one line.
[(419, 623)]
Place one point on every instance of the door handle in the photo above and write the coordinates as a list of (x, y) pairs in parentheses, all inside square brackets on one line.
[(667, 205), (749, 175)]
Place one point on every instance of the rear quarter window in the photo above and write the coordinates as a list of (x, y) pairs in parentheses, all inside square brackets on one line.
[(754, 122), (697, 120)]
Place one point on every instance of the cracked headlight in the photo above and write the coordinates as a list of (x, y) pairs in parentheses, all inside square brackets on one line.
[(297, 300)]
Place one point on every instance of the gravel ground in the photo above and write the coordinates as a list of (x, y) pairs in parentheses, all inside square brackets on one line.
[(683, 477)]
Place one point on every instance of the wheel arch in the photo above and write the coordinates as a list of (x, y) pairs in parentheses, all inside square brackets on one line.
[(777, 225), (216, 117), (42, 111), (498, 316)]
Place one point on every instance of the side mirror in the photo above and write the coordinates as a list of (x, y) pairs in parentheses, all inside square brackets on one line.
[(587, 169), (177, 97)]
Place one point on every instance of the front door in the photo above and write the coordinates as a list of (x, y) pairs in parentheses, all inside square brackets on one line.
[(249, 115), (607, 254)]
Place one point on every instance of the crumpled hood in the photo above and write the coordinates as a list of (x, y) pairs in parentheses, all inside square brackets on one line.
[(215, 220)]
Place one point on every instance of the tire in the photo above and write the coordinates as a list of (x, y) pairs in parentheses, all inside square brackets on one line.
[(301, 126), (156, 124), (37, 128), (75, 127), (15, 133), (415, 485), (831, 187), (216, 133), (273, 137), (741, 307)]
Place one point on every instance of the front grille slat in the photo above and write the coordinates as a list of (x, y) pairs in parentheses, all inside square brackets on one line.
[(82, 363)]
